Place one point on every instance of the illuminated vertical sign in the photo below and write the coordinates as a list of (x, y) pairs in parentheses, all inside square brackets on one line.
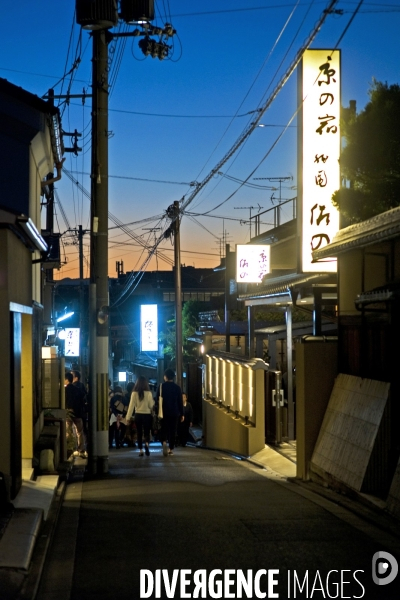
[(71, 341), (320, 144), (253, 262), (148, 328)]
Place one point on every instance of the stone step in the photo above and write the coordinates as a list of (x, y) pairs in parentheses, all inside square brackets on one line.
[(37, 494), (19, 539)]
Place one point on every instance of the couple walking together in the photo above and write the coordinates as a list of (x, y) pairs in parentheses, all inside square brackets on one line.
[(142, 403)]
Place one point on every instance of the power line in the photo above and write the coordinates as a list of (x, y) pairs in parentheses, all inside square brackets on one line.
[(168, 249), (191, 184), (250, 128), (251, 86)]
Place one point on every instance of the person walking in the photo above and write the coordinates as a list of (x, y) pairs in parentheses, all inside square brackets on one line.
[(130, 431), (76, 381), (183, 426), (172, 409), (118, 408), (141, 404), (75, 412)]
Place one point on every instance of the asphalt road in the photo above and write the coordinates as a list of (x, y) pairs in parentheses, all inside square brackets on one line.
[(207, 512)]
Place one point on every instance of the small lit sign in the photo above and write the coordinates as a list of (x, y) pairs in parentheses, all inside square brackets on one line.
[(71, 341), (252, 263), (320, 95), (148, 328)]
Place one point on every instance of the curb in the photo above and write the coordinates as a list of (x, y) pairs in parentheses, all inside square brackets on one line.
[(31, 583)]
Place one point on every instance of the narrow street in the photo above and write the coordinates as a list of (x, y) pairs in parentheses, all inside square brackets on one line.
[(202, 509)]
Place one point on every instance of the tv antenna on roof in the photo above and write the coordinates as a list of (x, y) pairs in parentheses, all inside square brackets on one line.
[(277, 180), (249, 208)]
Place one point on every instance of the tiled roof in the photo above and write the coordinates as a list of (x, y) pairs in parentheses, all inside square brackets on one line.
[(282, 284), (380, 228)]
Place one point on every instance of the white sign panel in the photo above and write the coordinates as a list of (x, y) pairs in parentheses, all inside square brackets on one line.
[(321, 153), (71, 341), (252, 263), (148, 328)]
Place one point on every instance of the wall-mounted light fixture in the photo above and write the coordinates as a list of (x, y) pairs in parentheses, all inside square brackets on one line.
[(32, 233), (65, 316)]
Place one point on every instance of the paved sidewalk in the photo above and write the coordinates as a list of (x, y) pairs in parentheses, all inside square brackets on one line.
[(27, 537)]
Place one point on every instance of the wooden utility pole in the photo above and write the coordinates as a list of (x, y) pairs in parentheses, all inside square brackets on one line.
[(178, 295), (98, 294), (83, 366)]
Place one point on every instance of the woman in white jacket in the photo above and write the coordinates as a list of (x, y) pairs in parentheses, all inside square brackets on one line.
[(141, 404)]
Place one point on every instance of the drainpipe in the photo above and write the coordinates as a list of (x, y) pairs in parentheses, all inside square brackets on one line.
[(59, 166)]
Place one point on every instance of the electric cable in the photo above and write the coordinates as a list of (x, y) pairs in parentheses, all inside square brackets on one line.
[(247, 132), (185, 183), (293, 116), (251, 87), (273, 78)]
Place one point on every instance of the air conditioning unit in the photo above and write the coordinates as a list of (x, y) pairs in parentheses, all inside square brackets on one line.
[(137, 10), (96, 14)]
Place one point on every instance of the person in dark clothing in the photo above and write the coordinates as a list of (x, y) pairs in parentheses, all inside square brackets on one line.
[(118, 408), (76, 381), (75, 412), (172, 409), (183, 426)]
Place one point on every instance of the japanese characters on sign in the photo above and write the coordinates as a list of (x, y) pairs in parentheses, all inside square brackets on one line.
[(148, 328), (71, 341), (320, 153), (252, 263)]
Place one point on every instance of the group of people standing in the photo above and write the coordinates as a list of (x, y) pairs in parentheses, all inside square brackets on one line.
[(171, 407)]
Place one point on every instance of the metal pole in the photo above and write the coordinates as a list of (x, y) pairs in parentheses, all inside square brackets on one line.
[(317, 312), (227, 300), (250, 319), (92, 460), (278, 387), (289, 348), (178, 295), (99, 244)]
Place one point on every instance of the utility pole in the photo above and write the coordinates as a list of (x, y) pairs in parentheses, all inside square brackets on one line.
[(178, 294), (81, 233), (223, 241), (154, 229), (100, 17), (98, 316)]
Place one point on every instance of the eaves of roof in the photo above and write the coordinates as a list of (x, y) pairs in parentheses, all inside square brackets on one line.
[(143, 360), (281, 285), (380, 228), (296, 326), (18, 93)]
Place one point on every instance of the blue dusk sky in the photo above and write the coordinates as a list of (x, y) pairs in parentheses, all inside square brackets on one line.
[(171, 122)]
